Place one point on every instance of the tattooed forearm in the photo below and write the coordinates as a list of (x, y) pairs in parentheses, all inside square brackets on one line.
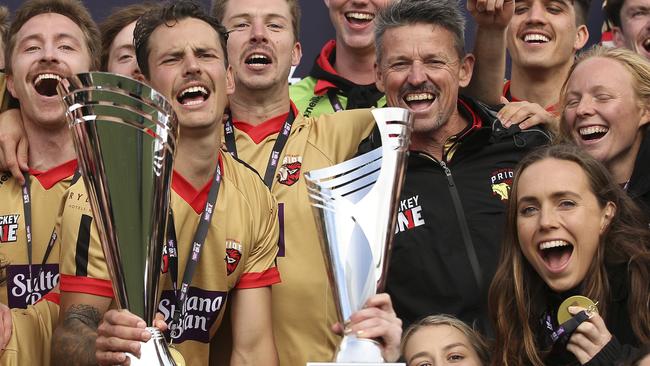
[(73, 341)]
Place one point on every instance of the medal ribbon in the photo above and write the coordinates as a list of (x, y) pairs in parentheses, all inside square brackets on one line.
[(195, 251), (229, 133)]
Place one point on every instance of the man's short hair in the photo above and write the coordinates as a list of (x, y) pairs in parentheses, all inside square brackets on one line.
[(581, 9), (114, 24), (72, 9), (169, 15), (613, 12), (442, 13), (219, 8)]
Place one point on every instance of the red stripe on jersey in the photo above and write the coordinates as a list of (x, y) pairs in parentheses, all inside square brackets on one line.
[(259, 279), (265, 129), (51, 297), (53, 176), (194, 197), (86, 285)]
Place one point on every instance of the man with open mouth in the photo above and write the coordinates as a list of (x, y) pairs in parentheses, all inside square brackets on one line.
[(630, 21), (460, 168), (47, 41), (342, 75)]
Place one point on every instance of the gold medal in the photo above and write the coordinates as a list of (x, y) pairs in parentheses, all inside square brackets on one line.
[(584, 302), (177, 356)]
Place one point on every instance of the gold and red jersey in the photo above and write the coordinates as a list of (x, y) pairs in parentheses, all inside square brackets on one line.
[(239, 252), (303, 307)]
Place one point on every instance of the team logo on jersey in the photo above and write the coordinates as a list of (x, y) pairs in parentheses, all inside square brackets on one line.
[(501, 181), (21, 291), (233, 255), (289, 172), (409, 214), (199, 312), (9, 228)]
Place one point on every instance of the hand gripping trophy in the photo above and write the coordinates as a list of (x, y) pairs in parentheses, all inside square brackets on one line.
[(356, 207), (125, 136)]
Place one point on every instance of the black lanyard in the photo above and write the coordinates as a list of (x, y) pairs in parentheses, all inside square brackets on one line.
[(566, 329), (229, 133), (27, 211), (334, 100), (195, 251)]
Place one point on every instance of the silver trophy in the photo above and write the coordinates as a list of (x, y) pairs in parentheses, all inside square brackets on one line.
[(125, 136), (356, 207)]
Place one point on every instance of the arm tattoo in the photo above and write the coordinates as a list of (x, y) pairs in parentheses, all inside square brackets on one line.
[(73, 341)]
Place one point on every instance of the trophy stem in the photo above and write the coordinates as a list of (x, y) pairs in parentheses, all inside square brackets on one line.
[(155, 352), (359, 350)]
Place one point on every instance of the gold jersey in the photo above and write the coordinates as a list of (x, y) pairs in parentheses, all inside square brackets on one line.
[(303, 306), (239, 252)]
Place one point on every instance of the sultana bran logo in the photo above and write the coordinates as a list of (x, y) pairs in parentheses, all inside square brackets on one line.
[(289, 172), (501, 181)]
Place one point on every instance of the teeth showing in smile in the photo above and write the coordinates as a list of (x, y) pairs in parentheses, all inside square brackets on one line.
[(553, 244), (418, 97), (258, 59), (359, 16), (193, 95), (42, 77), (536, 38), (593, 132)]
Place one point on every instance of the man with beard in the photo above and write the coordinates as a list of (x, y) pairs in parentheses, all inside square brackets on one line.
[(452, 209), (630, 21), (262, 47), (182, 54), (47, 41)]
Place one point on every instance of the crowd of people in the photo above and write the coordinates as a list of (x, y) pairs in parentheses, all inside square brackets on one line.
[(518, 194)]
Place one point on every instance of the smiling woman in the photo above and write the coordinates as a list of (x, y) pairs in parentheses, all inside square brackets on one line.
[(571, 230)]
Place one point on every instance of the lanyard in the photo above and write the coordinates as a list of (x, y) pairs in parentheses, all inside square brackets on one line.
[(27, 211), (229, 132), (197, 245), (567, 328), (334, 100)]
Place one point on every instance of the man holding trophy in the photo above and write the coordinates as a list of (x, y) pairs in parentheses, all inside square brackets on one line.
[(234, 263)]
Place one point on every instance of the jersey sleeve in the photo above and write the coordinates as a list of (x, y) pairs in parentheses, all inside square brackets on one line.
[(338, 135), (83, 266), (260, 267)]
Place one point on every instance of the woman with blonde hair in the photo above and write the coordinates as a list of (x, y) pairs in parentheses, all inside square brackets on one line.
[(606, 110), (571, 230)]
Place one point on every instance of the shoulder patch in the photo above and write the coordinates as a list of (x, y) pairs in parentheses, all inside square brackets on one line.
[(501, 181)]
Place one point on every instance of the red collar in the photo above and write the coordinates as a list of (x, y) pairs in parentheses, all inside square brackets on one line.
[(269, 127), (53, 176), (323, 61), (194, 197)]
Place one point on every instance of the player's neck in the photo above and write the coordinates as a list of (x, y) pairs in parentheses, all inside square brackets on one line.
[(48, 147), (546, 84), (622, 167), (356, 65), (197, 152), (256, 108), (433, 142)]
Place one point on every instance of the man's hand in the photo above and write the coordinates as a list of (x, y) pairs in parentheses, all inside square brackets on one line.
[(13, 144), (589, 338), (377, 320), (120, 331), (6, 326), (491, 13), (526, 115)]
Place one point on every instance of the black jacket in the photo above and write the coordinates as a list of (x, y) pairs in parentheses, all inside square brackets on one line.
[(430, 270), (639, 187)]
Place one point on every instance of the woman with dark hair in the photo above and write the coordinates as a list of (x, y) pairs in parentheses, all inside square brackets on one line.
[(571, 230)]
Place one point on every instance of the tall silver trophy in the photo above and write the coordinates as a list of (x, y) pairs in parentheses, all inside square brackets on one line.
[(356, 207), (125, 136)]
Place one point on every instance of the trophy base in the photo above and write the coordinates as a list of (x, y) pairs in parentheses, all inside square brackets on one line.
[(155, 352)]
